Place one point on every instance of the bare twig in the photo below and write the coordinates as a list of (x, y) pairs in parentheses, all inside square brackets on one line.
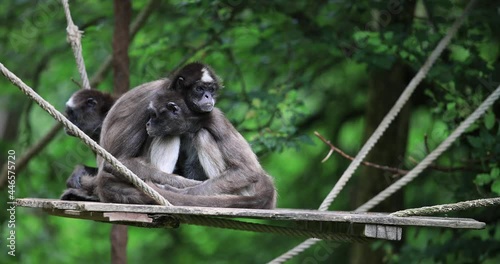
[(426, 143), (366, 163), (449, 169), (391, 169), (76, 82)]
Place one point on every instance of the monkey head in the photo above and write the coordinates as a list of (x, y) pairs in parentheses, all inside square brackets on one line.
[(86, 109), (170, 116), (198, 85)]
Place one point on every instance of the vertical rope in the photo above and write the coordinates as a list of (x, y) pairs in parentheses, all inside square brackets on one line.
[(380, 130), (434, 154), (136, 181), (74, 38)]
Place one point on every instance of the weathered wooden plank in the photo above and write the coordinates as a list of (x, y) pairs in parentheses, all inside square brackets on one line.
[(132, 219), (128, 217), (96, 216), (276, 214), (383, 232)]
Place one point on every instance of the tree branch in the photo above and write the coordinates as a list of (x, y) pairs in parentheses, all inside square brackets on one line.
[(366, 163), (396, 171)]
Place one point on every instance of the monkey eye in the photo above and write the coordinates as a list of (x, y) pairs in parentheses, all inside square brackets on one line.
[(91, 102), (198, 89), (172, 107)]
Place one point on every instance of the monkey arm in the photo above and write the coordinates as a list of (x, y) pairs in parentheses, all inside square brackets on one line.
[(149, 173), (235, 181)]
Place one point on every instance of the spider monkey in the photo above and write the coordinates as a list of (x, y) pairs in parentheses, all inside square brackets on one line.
[(87, 109), (124, 129)]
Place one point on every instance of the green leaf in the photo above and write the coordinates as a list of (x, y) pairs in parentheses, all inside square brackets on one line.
[(496, 187), (495, 172), (474, 141), (459, 53), (482, 179), (489, 120)]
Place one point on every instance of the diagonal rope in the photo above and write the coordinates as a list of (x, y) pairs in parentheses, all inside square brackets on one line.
[(74, 38), (395, 109), (443, 43), (434, 154), (136, 181)]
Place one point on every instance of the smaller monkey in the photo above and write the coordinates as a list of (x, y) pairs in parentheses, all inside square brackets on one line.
[(235, 177), (87, 110)]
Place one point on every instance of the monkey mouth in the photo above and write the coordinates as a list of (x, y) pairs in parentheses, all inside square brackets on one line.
[(152, 132), (208, 107)]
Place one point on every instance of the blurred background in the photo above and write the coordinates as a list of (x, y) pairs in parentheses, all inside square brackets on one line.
[(289, 69)]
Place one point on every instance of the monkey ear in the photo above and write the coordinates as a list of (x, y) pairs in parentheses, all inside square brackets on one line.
[(91, 102), (172, 107), (179, 83)]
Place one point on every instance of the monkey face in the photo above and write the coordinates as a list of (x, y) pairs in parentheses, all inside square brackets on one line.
[(199, 85), (86, 109), (202, 97), (170, 119)]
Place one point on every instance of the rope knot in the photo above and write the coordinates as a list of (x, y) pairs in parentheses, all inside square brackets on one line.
[(74, 34)]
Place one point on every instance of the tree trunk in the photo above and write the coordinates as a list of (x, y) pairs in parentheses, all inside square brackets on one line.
[(385, 88), (121, 75), (121, 84)]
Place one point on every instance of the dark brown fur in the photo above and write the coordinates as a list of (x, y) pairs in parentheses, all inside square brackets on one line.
[(87, 110), (209, 143), (124, 130), (233, 169)]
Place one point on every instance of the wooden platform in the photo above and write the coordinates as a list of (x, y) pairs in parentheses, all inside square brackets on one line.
[(341, 226)]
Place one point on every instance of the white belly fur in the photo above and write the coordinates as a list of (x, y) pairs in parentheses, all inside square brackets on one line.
[(164, 153)]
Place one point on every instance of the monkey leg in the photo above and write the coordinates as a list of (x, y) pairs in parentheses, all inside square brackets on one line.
[(111, 189), (227, 201), (229, 182)]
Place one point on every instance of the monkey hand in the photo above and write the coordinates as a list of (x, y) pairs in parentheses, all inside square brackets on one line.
[(109, 168), (80, 171), (73, 194)]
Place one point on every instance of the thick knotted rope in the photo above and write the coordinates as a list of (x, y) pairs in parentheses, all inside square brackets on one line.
[(74, 38)]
